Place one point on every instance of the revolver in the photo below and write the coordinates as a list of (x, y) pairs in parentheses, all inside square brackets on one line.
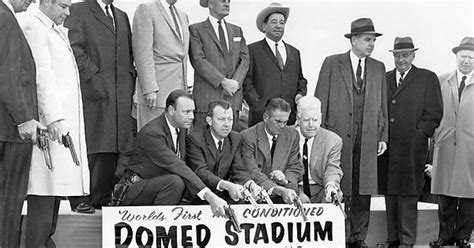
[(67, 142), (248, 196), (337, 201), (263, 194), (230, 214), (43, 145), (299, 205)]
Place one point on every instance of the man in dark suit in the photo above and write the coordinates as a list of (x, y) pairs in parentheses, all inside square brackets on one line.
[(157, 169), (321, 153), (18, 111), (220, 59), (352, 90), (275, 66), (214, 154), (270, 151), (101, 40), (415, 109)]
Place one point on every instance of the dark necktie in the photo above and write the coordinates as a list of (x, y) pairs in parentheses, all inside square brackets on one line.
[(306, 189), (175, 20), (359, 76), (219, 151), (109, 16), (222, 38), (274, 141), (401, 79), (177, 150), (278, 57), (461, 86)]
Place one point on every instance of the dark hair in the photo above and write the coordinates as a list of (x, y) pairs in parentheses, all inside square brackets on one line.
[(212, 105), (276, 12), (173, 97), (277, 104)]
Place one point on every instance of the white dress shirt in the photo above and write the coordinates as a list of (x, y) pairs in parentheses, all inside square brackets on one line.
[(310, 145), (355, 62), (398, 75), (102, 6), (281, 48), (459, 77), (215, 26)]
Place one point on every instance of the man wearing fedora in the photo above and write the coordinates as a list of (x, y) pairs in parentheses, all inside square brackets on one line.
[(275, 66), (415, 109), (353, 94), (453, 170), (220, 58)]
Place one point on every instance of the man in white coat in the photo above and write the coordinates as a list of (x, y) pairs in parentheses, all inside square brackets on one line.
[(453, 159), (160, 50), (60, 109)]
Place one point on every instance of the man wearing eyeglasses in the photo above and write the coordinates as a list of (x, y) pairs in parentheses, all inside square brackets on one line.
[(415, 109)]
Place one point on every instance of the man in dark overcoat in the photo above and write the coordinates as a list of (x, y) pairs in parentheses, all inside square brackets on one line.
[(101, 40), (415, 109)]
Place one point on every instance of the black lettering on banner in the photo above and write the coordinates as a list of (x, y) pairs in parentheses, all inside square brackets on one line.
[(261, 233), (161, 235), (202, 239), (290, 232), (185, 239), (118, 234), (139, 237), (318, 230), (306, 233), (277, 236), (233, 239), (246, 227)]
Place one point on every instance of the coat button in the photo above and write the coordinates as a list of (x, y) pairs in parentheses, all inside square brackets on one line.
[(350, 114), (392, 119), (394, 101), (349, 135)]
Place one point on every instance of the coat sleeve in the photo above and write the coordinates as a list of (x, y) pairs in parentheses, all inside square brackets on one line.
[(238, 172), (433, 106), (243, 64), (131, 66), (383, 112), (322, 89), (196, 159), (333, 172), (294, 169), (49, 98), (302, 82), (249, 92)]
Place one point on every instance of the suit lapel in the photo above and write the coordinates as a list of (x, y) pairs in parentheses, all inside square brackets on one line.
[(165, 15), (281, 149), (184, 25), (453, 85), (289, 55), (222, 169), (392, 81), (166, 130), (262, 142), (407, 80), (100, 15), (269, 52), (211, 146), (345, 67), (212, 34), (230, 36)]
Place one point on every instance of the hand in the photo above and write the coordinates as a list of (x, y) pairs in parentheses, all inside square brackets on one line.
[(429, 170), (234, 190), (255, 190), (381, 148), (27, 130), (55, 131), (288, 195), (297, 98), (230, 86), (304, 198), (329, 190), (279, 177), (151, 99), (217, 204)]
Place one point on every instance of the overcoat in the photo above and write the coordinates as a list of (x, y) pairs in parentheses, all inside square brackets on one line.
[(59, 98), (415, 109), (334, 89), (104, 57), (453, 159)]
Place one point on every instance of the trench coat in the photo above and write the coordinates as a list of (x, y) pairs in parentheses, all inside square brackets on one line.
[(453, 158), (334, 89), (59, 98)]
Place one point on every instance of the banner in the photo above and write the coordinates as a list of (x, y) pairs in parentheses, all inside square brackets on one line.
[(195, 226)]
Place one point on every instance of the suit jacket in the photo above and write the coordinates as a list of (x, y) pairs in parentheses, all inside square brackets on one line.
[(154, 155), (18, 102), (104, 58), (453, 173), (211, 66), (325, 158), (211, 167), (160, 55), (257, 158), (265, 80), (59, 98), (415, 109), (334, 89)]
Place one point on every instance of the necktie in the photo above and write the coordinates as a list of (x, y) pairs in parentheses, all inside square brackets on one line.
[(175, 20), (461, 86), (219, 146), (305, 164), (400, 80), (177, 150), (109, 16), (272, 150), (278, 57), (359, 76), (222, 38)]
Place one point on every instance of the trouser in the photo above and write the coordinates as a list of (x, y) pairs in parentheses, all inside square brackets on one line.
[(15, 160), (401, 213), (456, 217), (41, 221), (102, 180)]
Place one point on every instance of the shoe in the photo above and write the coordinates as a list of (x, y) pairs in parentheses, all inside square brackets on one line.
[(440, 243), (462, 243), (84, 208)]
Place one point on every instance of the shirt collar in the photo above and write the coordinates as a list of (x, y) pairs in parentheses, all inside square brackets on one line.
[(172, 129), (404, 74), (214, 20), (10, 6), (44, 18), (271, 43), (216, 140), (355, 58), (269, 136), (460, 75), (102, 6)]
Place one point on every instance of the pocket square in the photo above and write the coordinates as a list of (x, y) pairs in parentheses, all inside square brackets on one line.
[(237, 39)]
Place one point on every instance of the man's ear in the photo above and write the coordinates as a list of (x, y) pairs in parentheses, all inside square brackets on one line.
[(209, 120)]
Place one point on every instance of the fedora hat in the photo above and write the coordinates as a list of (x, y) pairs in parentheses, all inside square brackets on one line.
[(272, 8), (362, 26), (204, 3), (466, 44), (403, 44)]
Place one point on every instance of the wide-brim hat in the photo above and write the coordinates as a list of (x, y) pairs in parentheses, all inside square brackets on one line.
[(272, 8), (466, 44), (204, 3), (403, 44), (362, 26)]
